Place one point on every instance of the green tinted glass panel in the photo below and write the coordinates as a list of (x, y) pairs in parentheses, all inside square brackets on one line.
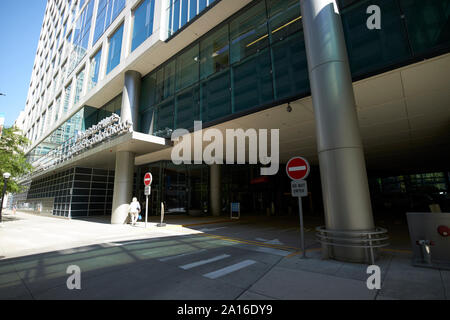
[(214, 53), (148, 91), (216, 97), (249, 32), (252, 82), (284, 18), (188, 108), (165, 116), (187, 68), (290, 67), (370, 50), (428, 23)]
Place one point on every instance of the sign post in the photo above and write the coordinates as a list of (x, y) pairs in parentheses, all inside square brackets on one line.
[(298, 170), (148, 179)]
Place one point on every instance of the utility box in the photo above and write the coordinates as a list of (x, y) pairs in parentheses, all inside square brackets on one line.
[(430, 239)]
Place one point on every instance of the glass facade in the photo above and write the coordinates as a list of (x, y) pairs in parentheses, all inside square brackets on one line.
[(81, 36), (180, 12), (79, 88), (115, 49), (108, 10), (238, 66), (77, 192), (95, 69), (257, 58), (143, 23)]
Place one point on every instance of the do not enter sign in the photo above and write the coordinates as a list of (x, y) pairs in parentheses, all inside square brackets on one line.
[(298, 168), (148, 179)]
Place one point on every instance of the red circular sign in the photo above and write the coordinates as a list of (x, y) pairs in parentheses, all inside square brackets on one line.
[(148, 179), (298, 168)]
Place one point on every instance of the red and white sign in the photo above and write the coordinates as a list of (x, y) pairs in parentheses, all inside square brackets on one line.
[(298, 168), (148, 179)]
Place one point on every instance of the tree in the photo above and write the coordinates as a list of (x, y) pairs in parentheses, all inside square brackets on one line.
[(12, 157)]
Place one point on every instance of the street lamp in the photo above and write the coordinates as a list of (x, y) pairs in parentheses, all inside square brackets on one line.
[(2, 94), (6, 177)]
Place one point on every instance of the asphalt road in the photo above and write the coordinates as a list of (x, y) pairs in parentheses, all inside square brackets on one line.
[(173, 268)]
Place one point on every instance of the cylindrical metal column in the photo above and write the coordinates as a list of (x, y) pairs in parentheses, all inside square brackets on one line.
[(123, 186), (215, 189), (130, 99), (342, 165)]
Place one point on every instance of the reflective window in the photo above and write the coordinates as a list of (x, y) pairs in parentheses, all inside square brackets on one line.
[(370, 49), (66, 102), (81, 36), (143, 23), (108, 10), (188, 68), (427, 22), (79, 86), (249, 33), (115, 49), (214, 53), (180, 12), (95, 69)]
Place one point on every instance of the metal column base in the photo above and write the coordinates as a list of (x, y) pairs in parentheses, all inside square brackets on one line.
[(352, 246)]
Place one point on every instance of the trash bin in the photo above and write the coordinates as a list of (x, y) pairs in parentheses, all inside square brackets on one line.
[(430, 239)]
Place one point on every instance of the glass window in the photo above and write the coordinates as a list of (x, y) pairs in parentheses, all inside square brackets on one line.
[(79, 88), (143, 23), (249, 33), (148, 91), (284, 18), (169, 79), (108, 10), (95, 69), (188, 108), (115, 49), (252, 82), (188, 68), (192, 9), (214, 53), (176, 16), (371, 49), (427, 22), (216, 97), (290, 67), (184, 12), (67, 93)]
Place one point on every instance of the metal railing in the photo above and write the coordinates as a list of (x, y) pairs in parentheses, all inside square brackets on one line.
[(369, 240)]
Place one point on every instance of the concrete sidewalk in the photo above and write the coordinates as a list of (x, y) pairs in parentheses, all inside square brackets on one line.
[(316, 279), (35, 250)]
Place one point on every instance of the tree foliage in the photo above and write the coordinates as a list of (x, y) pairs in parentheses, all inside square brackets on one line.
[(12, 157)]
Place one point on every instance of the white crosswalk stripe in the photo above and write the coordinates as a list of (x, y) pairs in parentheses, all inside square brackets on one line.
[(233, 268), (203, 262)]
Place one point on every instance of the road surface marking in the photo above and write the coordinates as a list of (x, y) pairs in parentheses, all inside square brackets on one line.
[(181, 255), (235, 267), (203, 262)]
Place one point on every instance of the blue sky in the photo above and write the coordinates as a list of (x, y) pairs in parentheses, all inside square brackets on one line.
[(20, 27)]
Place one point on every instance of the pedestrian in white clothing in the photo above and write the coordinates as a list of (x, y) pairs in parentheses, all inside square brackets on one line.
[(134, 210)]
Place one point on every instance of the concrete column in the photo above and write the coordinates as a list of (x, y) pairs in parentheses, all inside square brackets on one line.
[(123, 186), (342, 165), (130, 99), (123, 181), (215, 189)]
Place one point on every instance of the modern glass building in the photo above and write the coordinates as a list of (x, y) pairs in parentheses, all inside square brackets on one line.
[(163, 64)]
